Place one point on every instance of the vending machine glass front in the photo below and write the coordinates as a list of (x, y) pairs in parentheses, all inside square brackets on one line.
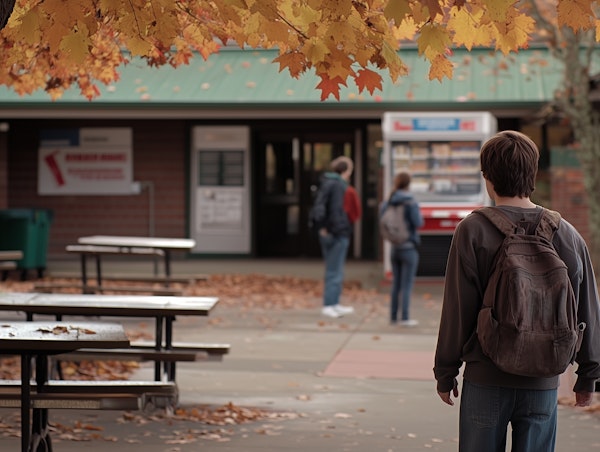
[(441, 171)]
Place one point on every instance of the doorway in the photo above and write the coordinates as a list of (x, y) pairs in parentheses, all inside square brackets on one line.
[(290, 166)]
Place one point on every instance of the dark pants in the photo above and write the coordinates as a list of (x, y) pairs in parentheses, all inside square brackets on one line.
[(485, 412), (404, 266)]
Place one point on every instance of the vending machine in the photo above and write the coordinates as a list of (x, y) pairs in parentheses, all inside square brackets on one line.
[(441, 153)]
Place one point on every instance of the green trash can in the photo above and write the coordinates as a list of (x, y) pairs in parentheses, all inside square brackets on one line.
[(26, 230)]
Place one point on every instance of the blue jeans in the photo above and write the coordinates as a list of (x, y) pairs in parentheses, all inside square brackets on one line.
[(485, 412), (334, 251), (404, 267)]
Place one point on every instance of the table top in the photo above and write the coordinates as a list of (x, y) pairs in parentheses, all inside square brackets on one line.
[(108, 305), (59, 336), (11, 255), (134, 241)]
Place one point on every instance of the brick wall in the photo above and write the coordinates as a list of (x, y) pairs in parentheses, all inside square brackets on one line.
[(569, 196), (160, 150)]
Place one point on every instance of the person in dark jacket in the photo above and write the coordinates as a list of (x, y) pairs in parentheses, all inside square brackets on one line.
[(491, 398), (404, 256), (335, 210)]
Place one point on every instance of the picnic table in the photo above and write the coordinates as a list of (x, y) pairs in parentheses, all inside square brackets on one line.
[(36, 341), (163, 309), (130, 245), (8, 260)]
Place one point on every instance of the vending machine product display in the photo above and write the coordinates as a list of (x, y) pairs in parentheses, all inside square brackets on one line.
[(441, 153)]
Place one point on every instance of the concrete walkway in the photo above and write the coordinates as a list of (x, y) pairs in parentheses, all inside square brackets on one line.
[(349, 384)]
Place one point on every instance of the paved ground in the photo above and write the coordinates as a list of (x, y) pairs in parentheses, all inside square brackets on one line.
[(350, 384)]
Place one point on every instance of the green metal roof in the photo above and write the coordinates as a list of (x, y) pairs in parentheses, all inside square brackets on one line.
[(236, 78)]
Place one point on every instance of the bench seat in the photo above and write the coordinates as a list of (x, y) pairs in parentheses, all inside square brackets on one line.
[(115, 250), (144, 351), (130, 354), (212, 349), (52, 287), (8, 265), (96, 395)]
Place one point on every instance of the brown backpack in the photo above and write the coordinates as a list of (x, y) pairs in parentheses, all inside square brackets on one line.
[(528, 322)]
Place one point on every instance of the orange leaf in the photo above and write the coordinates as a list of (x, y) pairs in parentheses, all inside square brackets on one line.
[(369, 80), (330, 86), (294, 61)]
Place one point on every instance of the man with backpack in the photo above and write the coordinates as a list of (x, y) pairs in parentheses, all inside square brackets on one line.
[(520, 303), (336, 208)]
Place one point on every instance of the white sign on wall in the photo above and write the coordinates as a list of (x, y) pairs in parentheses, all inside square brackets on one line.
[(86, 161)]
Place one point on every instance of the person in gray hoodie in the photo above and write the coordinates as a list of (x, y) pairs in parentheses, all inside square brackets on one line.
[(492, 398), (405, 256)]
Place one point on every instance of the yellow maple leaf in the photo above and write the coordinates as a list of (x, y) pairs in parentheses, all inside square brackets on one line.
[(30, 27), (394, 63), (516, 35), (363, 56), (315, 50), (441, 67), (434, 40), (138, 46), (335, 8), (576, 14), (267, 8), (342, 32), (465, 25), (278, 32), (497, 10), (397, 10), (76, 44), (406, 31)]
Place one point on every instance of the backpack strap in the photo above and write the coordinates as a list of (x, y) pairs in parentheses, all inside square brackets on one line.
[(549, 224), (504, 224), (548, 221)]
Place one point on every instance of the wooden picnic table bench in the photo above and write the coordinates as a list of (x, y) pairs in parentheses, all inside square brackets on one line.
[(129, 245), (8, 261), (145, 351), (163, 350), (35, 342), (92, 394), (46, 287), (96, 252)]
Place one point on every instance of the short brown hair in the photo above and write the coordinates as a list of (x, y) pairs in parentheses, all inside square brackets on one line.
[(509, 160), (401, 181), (342, 164)]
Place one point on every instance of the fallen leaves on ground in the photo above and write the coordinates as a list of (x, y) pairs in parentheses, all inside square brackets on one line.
[(181, 425), (241, 290)]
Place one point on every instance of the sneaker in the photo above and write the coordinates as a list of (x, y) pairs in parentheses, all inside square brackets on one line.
[(410, 322), (343, 310), (330, 311)]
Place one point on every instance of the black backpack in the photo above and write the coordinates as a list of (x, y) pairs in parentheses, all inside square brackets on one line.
[(528, 322)]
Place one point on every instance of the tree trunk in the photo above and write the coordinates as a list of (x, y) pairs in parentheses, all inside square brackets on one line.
[(6, 9), (585, 122)]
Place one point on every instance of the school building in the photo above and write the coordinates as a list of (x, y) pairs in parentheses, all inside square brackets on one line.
[(229, 151)]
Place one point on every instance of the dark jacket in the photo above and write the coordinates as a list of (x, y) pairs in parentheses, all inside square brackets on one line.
[(472, 251), (328, 210), (412, 212)]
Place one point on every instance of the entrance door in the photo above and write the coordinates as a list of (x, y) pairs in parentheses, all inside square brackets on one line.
[(290, 166)]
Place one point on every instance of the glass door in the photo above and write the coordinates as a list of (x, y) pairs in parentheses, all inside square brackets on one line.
[(290, 167)]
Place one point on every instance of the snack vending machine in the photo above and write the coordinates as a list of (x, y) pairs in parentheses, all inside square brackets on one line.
[(441, 153)]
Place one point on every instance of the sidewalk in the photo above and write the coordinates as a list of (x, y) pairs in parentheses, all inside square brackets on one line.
[(350, 384)]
